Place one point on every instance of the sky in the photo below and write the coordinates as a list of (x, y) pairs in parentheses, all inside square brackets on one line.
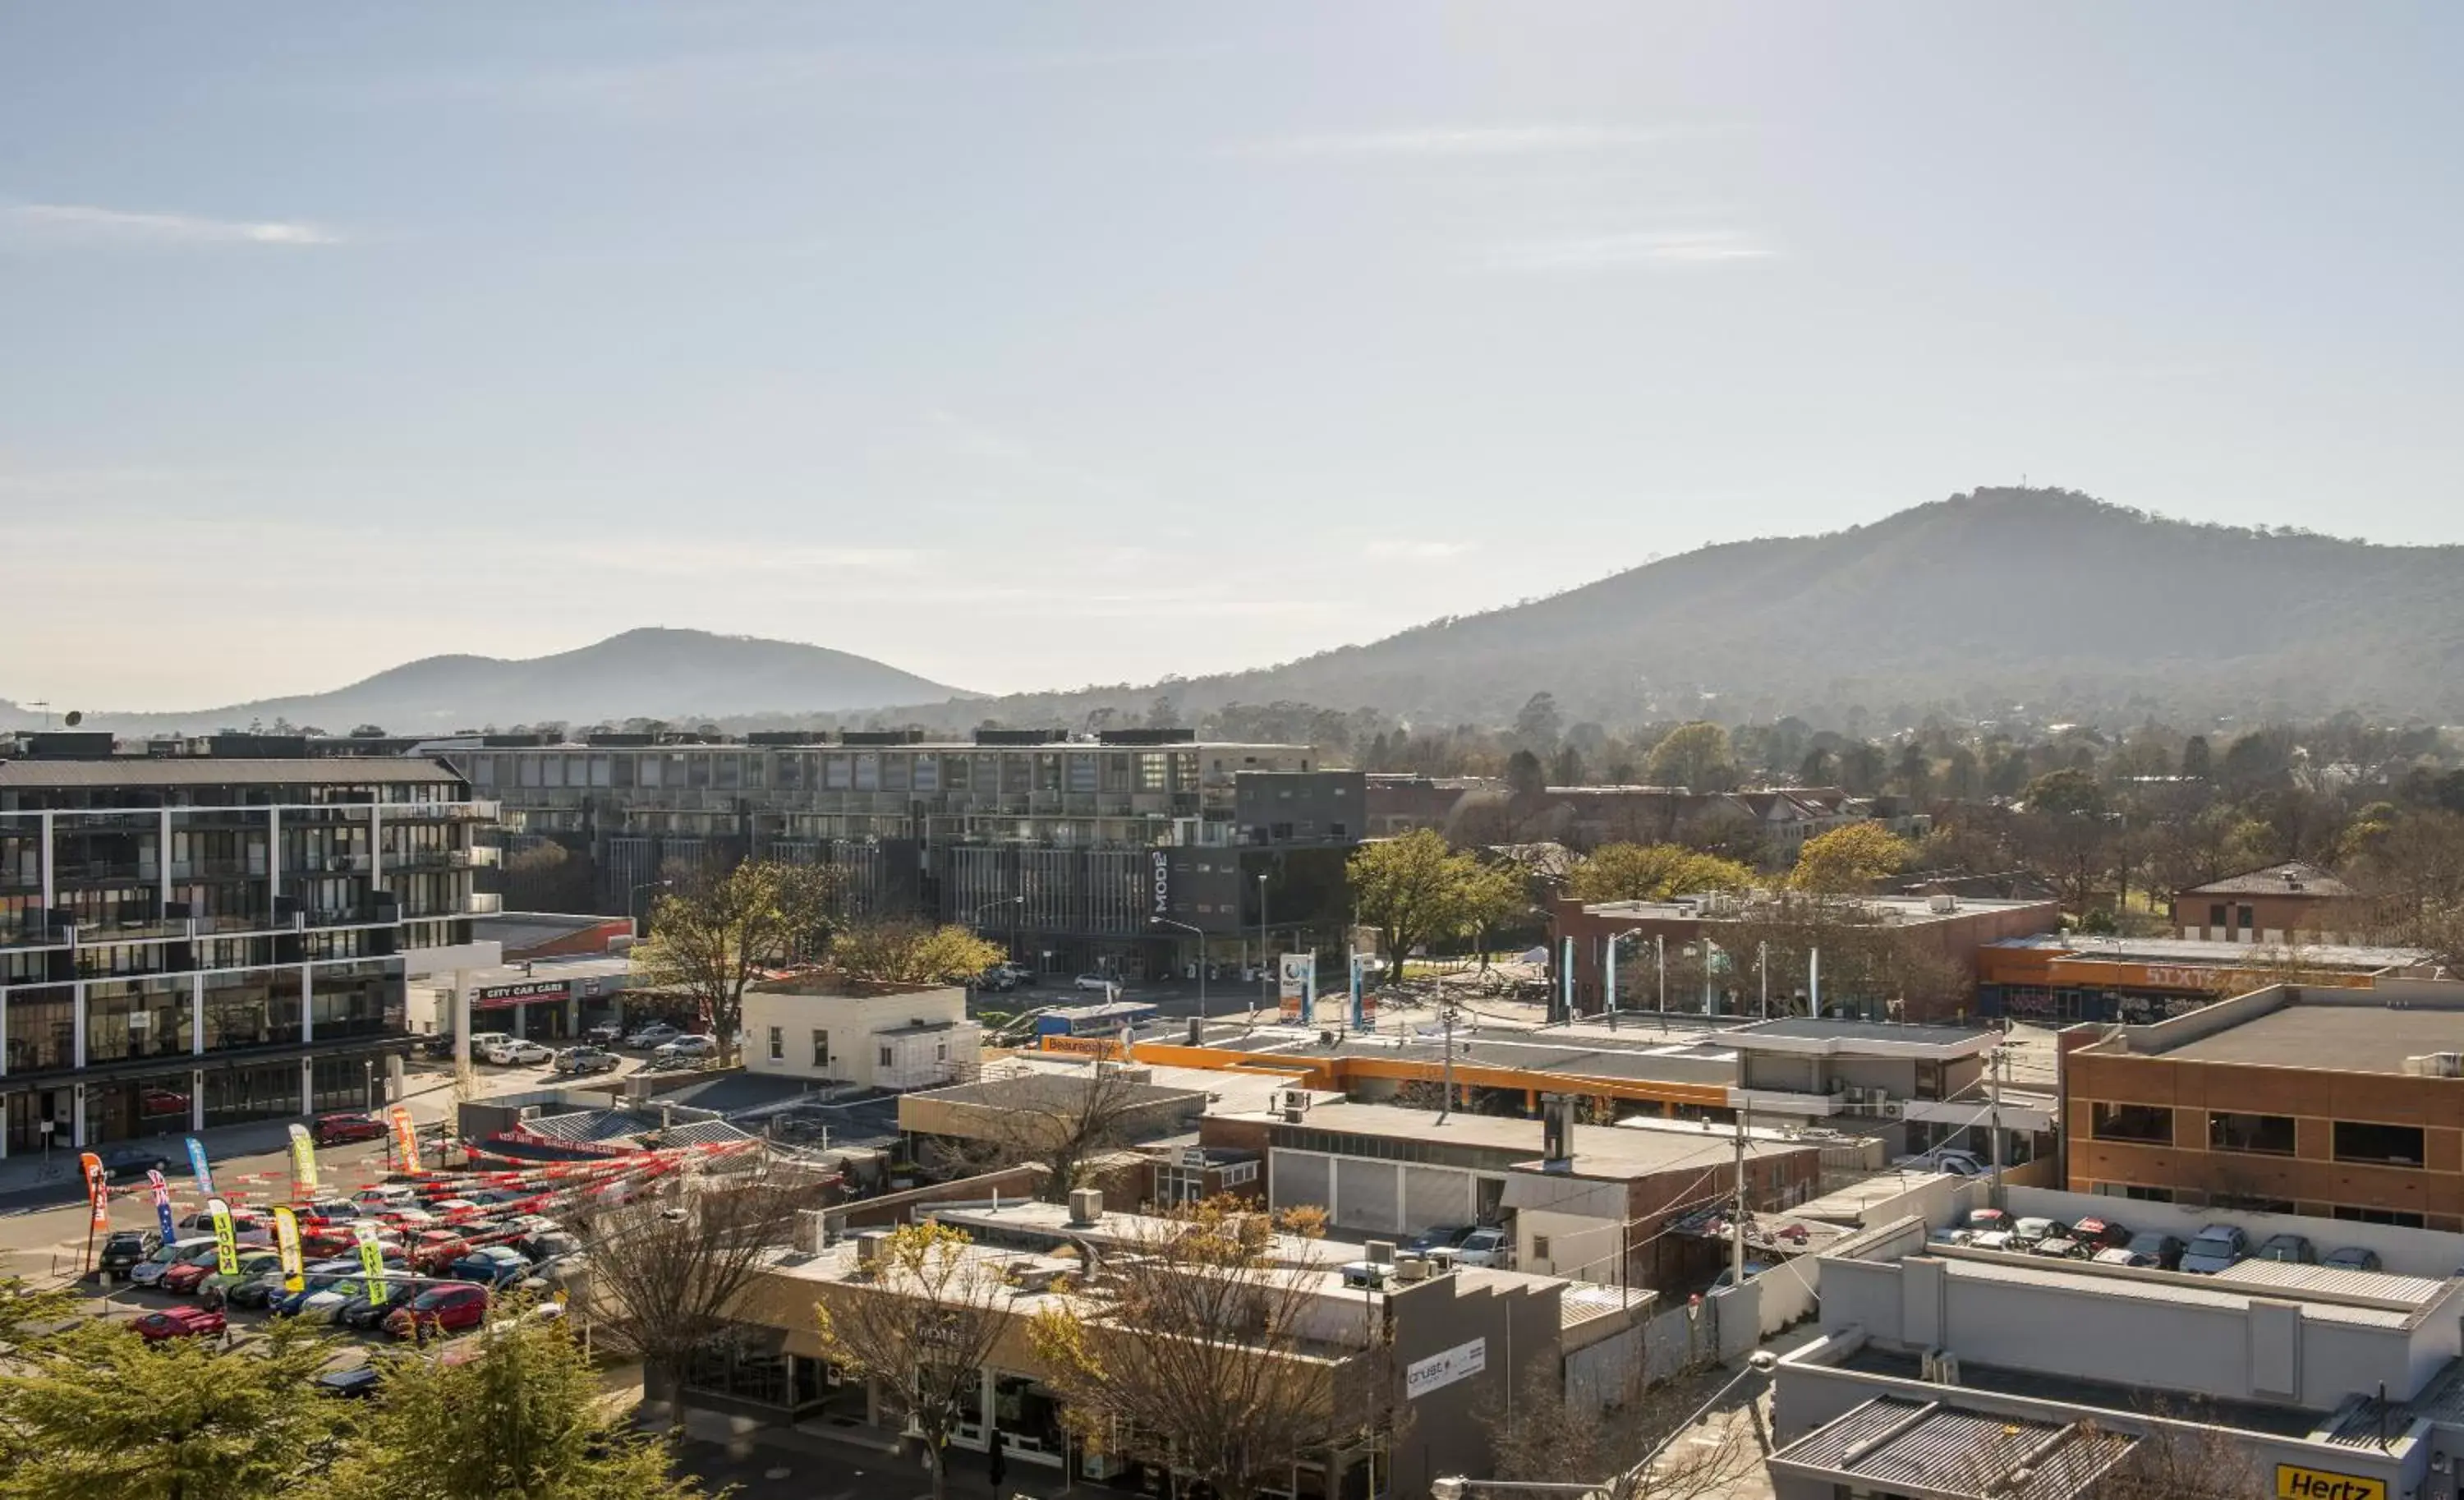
[(1032, 347)]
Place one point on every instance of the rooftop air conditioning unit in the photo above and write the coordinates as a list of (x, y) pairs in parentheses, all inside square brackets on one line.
[(813, 1230), (1853, 1095), (1893, 1109), (1943, 905), (1086, 1206), (1381, 1252), (867, 1246), (1411, 1268)]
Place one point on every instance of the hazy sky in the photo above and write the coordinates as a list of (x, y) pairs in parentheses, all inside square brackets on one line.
[(1035, 345)]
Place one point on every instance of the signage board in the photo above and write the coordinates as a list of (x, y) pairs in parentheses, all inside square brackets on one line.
[(1162, 884), (1445, 1367), (491, 996), (1296, 983), (2293, 1482)]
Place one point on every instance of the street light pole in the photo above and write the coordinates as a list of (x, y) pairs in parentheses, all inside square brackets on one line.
[(1200, 935), (1265, 967), (632, 905)]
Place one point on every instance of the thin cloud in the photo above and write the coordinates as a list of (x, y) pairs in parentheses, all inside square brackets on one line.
[(1652, 250), (84, 221), (1448, 141)]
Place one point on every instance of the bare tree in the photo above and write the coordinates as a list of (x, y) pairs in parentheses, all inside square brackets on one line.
[(1193, 1348), (1637, 1441), (920, 1320), (1066, 1123), (669, 1271), (713, 935), (2185, 1458)]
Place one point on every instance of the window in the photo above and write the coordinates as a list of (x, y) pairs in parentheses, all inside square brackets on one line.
[(885, 1057), (2249, 919), (2217, 915), (777, 1044), (2402, 1221), (821, 1047), (2150, 1123), (940, 1052), (2384, 1145), (2262, 1134), (1539, 1246), (2132, 1190)]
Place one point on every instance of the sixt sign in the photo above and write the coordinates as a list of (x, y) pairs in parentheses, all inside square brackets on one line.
[(2296, 1483)]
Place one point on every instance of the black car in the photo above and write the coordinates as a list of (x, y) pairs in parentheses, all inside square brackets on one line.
[(364, 1311), (258, 1291), (121, 1163), (439, 1046), (357, 1382), (127, 1248)]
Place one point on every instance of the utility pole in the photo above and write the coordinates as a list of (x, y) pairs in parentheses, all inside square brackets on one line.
[(1994, 1093), (1660, 955), (1447, 1103), (1762, 968), (1737, 1223)]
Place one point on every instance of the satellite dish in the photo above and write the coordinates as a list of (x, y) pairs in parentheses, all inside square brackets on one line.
[(73, 719)]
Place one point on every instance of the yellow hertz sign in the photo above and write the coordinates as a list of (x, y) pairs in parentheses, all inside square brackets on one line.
[(2318, 1484)]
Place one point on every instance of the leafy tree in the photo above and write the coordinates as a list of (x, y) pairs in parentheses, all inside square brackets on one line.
[(2065, 794), (1848, 859), (920, 1322), (1655, 872), (1536, 727), (95, 1413), (367, 732), (1695, 756), (911, 953), (1416, 890), (1914, 771), (1861, 768), (522, 1419), (1191, 1349), (1526, 775), (1566, 767), (713, 935)]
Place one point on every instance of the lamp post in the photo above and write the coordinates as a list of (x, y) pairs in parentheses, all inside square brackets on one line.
[(1266, 965), (633, 908), (1200, 936)]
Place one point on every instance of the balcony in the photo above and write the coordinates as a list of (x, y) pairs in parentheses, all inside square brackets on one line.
[(474, 811), (482, 903), (32, 935)]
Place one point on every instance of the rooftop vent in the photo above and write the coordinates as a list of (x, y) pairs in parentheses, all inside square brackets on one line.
[(1086, 1207)]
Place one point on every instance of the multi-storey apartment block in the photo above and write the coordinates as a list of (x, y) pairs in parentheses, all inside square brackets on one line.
[(192, 941)]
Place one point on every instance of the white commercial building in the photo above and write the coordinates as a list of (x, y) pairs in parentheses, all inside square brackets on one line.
[(901, 1039)]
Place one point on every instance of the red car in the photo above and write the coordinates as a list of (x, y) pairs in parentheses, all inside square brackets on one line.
[(434, 1250), (439, 1310), (334, 1130), (187, 1277), (177, 1323)]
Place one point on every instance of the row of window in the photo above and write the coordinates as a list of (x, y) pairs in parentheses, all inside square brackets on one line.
[(2359, 1143), (2190, 1198), (1083, 771)]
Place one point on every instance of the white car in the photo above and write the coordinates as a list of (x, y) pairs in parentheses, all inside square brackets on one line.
[(657, 1033), (513, 1053), (1485, 1247), (1096, 981), (1957, 1163), (685, 1047)]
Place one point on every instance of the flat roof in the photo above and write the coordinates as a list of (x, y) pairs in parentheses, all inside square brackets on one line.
[(2345, 1039), (2209, 952), (1893, 909), (130, 770), (1861, 1036), (2174, 1289), (1599, 1150)]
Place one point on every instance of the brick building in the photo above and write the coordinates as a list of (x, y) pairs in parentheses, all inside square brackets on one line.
[(2292, 902), (2335, 1103)]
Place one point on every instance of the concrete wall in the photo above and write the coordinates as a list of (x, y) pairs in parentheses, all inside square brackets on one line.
[(2414, 1252), (850, 1020)]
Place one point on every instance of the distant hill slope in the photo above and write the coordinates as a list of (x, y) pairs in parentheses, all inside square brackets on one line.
[(679, 676), (2040, 597)]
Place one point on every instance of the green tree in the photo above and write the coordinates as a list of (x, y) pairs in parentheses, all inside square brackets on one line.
[(1416, 890), (2197, 760), (1536, 727), (1695, 756), (1526, 775), (96, 1413), (2065, 794), (520, 1419), (1848, 859), (712, 936), (911, 953), (1653, 872)]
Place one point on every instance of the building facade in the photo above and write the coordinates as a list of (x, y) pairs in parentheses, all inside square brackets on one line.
[(882, 1037), (2056, 977), (1057, 848), (2289, 903), (2334, 1103), (194, 941)]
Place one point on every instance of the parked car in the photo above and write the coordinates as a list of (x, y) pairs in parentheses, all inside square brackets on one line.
[(1728, 1276), (686, 1049), (218, 1286), (432, 1251), (185, 1275), (1945, 1158), (996, 980), (606, 1033), (334, 1130), (323, 1276), (481, 1041), (2151, 1247), (260, 1291), (2060, 1247), (120, 1164), (2100, 1234), (2291, 1248), (439, 1046), (328, 1210), (2032, 1231), (657, 1033), (1980, 1220), (148, 1272), (125, 1249), (359, 1381), (439, 1310), (581, 1060), (517, 1052), (384, 1196), (1100, 983), (491, 1266), (2217, 1247), (1485, 1247), (2352, 1257), (364, 1311), (1441, 1237), (178, 1323)]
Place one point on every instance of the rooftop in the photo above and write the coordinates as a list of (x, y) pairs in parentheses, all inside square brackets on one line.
[(1890, 910), (2292, 877), (216, 771), (1897, 1443), (2199, 952), (1599, 1150), (1808, 1033), (2328, 1038)]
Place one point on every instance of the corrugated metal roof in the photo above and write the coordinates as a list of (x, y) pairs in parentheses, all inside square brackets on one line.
[(2335, 1281), (1893, 1443)]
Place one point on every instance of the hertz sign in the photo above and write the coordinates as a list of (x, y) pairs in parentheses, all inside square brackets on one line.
[(2295, 1483)]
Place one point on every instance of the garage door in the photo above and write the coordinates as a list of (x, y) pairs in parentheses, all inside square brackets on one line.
[(1433, 1196), (1365, 1196), (1299, 1180)]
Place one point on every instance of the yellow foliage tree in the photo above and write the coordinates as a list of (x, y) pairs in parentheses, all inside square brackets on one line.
[(1655, 872), (1848, 860)]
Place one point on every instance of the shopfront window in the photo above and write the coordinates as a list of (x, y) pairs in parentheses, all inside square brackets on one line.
[(235, 1096)]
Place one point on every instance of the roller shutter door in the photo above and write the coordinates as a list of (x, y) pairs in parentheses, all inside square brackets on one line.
[(1365, 1195), (1433, 1195), (1300, 1181)]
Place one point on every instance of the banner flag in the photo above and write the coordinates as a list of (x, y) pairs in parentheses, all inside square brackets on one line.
[(226, 1239), (286, 1243), (197, 1164), (304, 1163)]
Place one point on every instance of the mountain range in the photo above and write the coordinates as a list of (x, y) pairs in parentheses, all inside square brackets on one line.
[(683, 677), (1971, 605)]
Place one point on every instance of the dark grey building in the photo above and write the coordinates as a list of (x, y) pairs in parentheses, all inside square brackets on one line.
[(188, 941), (1053, 846)]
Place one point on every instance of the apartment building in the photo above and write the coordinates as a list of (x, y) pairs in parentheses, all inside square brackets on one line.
[(2335, 1103), (190, 942), (1067, 851)]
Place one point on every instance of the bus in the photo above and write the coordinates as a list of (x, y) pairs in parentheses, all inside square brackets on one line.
[(1100, 1021)]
